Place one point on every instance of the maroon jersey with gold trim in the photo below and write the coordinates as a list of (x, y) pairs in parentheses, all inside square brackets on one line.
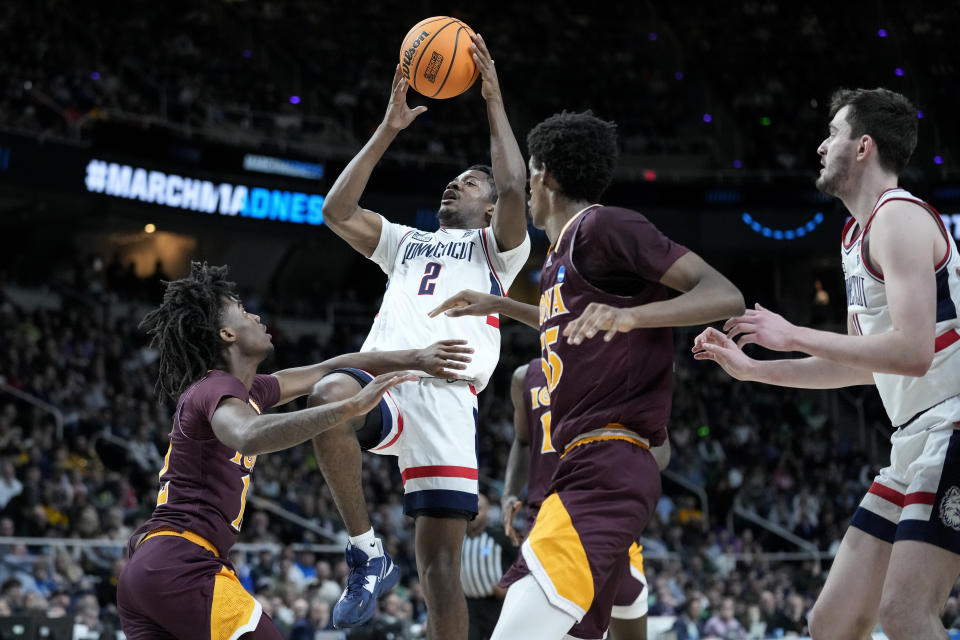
[(543, 457), (616, 257), (204, 483)]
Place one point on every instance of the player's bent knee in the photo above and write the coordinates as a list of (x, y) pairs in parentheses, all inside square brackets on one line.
[(368, 429), (331, 388)]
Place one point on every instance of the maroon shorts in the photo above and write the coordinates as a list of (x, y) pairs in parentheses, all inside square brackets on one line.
[(175, 588), (602, 496)]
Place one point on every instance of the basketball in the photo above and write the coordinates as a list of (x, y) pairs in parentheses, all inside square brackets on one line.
[(436, 59)]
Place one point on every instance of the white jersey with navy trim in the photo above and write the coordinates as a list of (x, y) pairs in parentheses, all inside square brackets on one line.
[(905, 396), (424, 269)]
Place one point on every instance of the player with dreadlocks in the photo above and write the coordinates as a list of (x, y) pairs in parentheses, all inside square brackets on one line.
[(178, 582)]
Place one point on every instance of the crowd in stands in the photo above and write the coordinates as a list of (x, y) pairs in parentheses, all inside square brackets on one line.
[(743, 87)]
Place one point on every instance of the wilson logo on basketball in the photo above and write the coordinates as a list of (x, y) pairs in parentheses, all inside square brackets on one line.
[(436, 58), (433, 67), (408, 54)]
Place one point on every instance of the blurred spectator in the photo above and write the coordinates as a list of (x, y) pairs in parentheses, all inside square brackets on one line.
[(689, 624), (10, 485), (723, 624), (311, 618), (821, 304), (792, 619)]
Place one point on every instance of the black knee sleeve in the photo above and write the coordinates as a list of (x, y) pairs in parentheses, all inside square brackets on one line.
[(370, 433)]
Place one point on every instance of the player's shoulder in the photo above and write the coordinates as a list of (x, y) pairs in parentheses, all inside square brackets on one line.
[(612, 224), (904, 214), (265, 390), (395, 231), (215, 383), (533, 374), (201, 399), (218, 378), (615, 212), (520, 374), (608, 218)]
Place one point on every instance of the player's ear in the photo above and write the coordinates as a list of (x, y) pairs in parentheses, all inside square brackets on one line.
[(865, 147), (549, 181), (228, 335)]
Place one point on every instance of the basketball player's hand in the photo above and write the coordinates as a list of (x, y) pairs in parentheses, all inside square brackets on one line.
[(443, 358), (509, 506), (763, 327), (399, 115), (368, 397), (599, 317), (490, 89), (715, 345), (468, 303)]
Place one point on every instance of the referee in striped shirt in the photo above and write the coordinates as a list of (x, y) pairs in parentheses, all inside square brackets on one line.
[(487, 554)]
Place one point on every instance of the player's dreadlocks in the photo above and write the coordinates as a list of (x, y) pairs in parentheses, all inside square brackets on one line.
[(185, 328)]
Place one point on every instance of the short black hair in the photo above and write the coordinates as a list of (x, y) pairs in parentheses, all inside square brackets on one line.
[(185, 328), (579, 149), (886, 116), (487, 169)]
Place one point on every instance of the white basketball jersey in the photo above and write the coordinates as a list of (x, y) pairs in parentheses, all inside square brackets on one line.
[(424, 269), (905, 396)]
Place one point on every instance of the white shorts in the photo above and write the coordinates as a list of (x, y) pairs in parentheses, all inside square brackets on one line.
[(431, 427), (917, 497)]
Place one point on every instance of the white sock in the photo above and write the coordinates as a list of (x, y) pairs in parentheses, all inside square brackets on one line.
[(368, 543), (528, 614)]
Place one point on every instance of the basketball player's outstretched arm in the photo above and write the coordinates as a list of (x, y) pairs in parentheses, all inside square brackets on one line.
[(801, 373), (238, 426), (706, 296), (341, 210), (441, 359), (905, 243), (475, 303), (518, 464), (509, 221)]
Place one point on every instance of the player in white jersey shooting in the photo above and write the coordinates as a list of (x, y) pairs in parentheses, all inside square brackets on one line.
[(901, 555), (482, 243)]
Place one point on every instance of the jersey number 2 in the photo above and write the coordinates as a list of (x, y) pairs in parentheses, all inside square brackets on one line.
[(427, 285)]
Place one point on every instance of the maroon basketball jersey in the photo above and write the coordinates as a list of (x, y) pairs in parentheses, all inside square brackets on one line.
[(204, 483), (543, 455), (625, 382)]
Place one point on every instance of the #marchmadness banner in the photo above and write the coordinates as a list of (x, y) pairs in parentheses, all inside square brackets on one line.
[(194, 194)]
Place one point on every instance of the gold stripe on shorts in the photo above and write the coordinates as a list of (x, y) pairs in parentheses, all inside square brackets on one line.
[(636, 557), (558, 548), (233, 611)]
